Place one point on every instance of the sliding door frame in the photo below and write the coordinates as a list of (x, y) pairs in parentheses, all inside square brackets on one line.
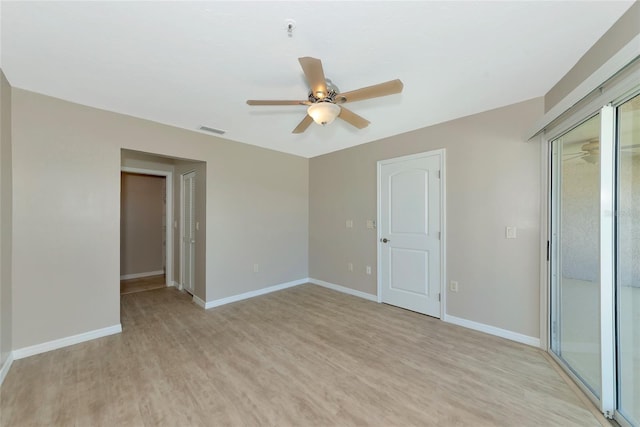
[(554, 190), (607, 260)]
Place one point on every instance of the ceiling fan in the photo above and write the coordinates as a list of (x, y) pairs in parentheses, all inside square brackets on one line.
[(590, 152), (325, 101)]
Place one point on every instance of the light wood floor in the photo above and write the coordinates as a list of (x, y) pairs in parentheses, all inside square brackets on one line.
[(305, 356), (142, 284)]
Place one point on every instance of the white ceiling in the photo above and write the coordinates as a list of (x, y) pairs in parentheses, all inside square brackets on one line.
[(188, 64)]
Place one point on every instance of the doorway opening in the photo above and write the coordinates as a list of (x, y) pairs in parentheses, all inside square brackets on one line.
[(145, 238), (153, 215)]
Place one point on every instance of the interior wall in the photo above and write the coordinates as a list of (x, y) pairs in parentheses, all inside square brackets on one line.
[(142, 216), (136, 159), (66, 213), (619, 35), (6, 196), (492, 181)]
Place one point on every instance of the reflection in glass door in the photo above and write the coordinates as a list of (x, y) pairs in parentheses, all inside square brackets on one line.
[(628, 256), (575, 294)]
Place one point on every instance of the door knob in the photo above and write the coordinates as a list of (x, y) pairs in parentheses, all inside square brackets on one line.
[(385, 240)]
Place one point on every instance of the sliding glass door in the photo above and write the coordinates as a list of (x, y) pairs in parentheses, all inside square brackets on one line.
[(576, 294), (628, 271), (595, 256)]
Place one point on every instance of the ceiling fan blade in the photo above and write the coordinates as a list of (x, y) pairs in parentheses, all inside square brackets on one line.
[(276, 102), (630, 147), (375, 91), (312, 68), (304, 124), (568, 157), (353, 119)]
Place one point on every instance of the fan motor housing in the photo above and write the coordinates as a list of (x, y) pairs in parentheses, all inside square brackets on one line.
[(329, 97)]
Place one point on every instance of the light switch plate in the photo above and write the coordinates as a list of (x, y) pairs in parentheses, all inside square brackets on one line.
[(511, 232)]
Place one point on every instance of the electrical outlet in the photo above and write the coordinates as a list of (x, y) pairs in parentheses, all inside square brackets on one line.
[(453, 286), (350, 266), (368, 269), (256, 268), (349, 223)]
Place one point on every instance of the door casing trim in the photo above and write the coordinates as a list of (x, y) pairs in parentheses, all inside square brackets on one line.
[(181, 229)]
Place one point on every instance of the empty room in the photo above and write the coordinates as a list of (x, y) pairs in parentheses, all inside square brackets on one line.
[(310, 213)]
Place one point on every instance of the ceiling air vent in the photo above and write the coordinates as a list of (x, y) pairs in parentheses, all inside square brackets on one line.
[(213, 130)]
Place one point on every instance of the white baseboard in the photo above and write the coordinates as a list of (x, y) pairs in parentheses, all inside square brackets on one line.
[(492, 330), (21, 353), (503, 333), (344, 289), (199, 301), (139, 275), (4, 369), (174, 284), (250, 294)]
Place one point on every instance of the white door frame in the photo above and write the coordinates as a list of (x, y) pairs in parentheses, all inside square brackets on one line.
[(443, 228), (169, 215), (181, 229)]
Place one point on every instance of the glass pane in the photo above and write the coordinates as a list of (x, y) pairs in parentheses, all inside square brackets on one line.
[(576, 284), (628, 260)]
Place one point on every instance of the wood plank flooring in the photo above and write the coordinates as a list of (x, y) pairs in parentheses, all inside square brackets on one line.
[(305, 356), (142, 284)]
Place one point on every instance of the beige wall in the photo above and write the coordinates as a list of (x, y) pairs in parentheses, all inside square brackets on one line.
[(139, 160), (142, 214), (67, 160), (5, 220), (492, 181), (621, 33)]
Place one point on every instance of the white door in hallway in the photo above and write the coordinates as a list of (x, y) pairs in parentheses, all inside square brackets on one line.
[(188, 231), (409, 217)]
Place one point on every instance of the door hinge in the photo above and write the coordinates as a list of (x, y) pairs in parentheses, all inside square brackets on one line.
[(439, 175), (439, 298), (439, 234)]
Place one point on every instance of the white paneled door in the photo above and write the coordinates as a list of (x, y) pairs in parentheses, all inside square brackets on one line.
[(188, 231), (410, 204)]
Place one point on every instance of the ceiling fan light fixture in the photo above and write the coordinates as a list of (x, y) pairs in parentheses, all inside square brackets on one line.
[(323, 113)]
